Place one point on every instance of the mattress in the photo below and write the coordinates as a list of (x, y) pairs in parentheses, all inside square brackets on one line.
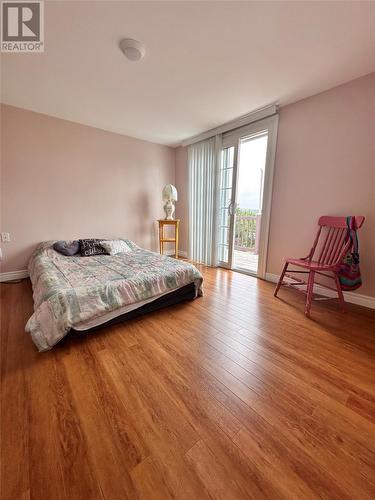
[(71, 292)]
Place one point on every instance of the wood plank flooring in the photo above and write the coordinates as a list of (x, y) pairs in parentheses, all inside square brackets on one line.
[(235, 395)]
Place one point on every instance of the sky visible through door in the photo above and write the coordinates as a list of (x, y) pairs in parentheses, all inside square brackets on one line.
[(251, 172)]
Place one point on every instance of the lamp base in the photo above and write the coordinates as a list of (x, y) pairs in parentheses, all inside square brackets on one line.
[(169, 210)]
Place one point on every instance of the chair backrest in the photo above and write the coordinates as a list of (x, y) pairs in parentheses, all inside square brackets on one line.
[(332, 241)]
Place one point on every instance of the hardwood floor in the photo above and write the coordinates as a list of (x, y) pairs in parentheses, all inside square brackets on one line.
[(235, 395)]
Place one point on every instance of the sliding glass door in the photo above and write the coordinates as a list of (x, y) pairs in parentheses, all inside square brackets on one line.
[(244, 196)]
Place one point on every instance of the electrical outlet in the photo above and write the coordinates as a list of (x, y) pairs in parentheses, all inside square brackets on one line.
[(5, 237)]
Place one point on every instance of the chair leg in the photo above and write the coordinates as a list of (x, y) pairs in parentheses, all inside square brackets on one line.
[(339, 292), (310, 289), (281, 279)]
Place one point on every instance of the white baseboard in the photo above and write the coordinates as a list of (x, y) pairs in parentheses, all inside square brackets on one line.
[(353, 298), (14, 275)]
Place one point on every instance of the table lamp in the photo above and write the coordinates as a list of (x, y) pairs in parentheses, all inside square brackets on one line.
[(169, 197)]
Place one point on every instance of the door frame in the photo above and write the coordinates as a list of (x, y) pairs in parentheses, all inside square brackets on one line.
[(233, 138)]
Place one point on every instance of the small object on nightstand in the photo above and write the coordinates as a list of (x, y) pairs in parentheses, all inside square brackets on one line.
[(162, 239)]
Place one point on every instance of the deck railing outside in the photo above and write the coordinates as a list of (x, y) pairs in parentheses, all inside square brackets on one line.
[(247, 233)]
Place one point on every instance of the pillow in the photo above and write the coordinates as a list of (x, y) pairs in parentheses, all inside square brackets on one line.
[(130, 244), (114, 247), (68, 248), (91, 247)]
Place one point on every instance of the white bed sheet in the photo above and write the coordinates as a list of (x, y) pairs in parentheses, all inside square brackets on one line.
[(100, 320)]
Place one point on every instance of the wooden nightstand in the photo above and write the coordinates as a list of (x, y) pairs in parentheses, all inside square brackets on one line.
[(162, 240)]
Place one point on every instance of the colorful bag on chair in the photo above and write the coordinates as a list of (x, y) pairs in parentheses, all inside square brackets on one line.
[(350, 273)]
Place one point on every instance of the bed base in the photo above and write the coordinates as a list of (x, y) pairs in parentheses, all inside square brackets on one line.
[(183, 294)]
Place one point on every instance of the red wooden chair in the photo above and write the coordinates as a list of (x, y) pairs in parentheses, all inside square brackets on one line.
[(330, 247)]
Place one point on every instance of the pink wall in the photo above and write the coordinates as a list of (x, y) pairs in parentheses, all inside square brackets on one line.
[(62, 180), (325, 164)]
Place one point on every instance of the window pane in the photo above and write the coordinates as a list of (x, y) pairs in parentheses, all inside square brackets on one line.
[(228, 157), (224, 235), (224, 217), (225, 197), (223, 253), (226, 178)]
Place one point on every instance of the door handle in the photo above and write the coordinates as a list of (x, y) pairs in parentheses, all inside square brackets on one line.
[(232, 208)]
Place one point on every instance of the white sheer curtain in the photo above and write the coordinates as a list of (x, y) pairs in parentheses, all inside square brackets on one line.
[(202, 162)]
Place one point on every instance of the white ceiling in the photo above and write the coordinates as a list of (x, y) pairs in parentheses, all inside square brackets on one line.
[(206, 62)]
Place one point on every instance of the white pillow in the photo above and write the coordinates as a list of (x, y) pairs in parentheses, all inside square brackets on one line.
[(114, 247)]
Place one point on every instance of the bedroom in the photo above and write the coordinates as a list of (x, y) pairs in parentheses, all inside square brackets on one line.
[(228, 129)]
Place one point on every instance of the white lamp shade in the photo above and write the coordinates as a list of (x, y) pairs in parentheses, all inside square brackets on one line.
[(169, 193)]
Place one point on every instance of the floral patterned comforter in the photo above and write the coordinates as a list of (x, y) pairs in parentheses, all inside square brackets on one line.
[(70, 290)]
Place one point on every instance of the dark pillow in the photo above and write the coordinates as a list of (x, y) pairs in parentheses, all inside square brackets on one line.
[(68, 248), (91, 247)]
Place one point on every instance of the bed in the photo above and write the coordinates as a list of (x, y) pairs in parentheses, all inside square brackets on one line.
[(80, 294)]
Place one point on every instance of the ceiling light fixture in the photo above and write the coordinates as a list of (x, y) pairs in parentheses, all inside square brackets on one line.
[(132, 49)]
